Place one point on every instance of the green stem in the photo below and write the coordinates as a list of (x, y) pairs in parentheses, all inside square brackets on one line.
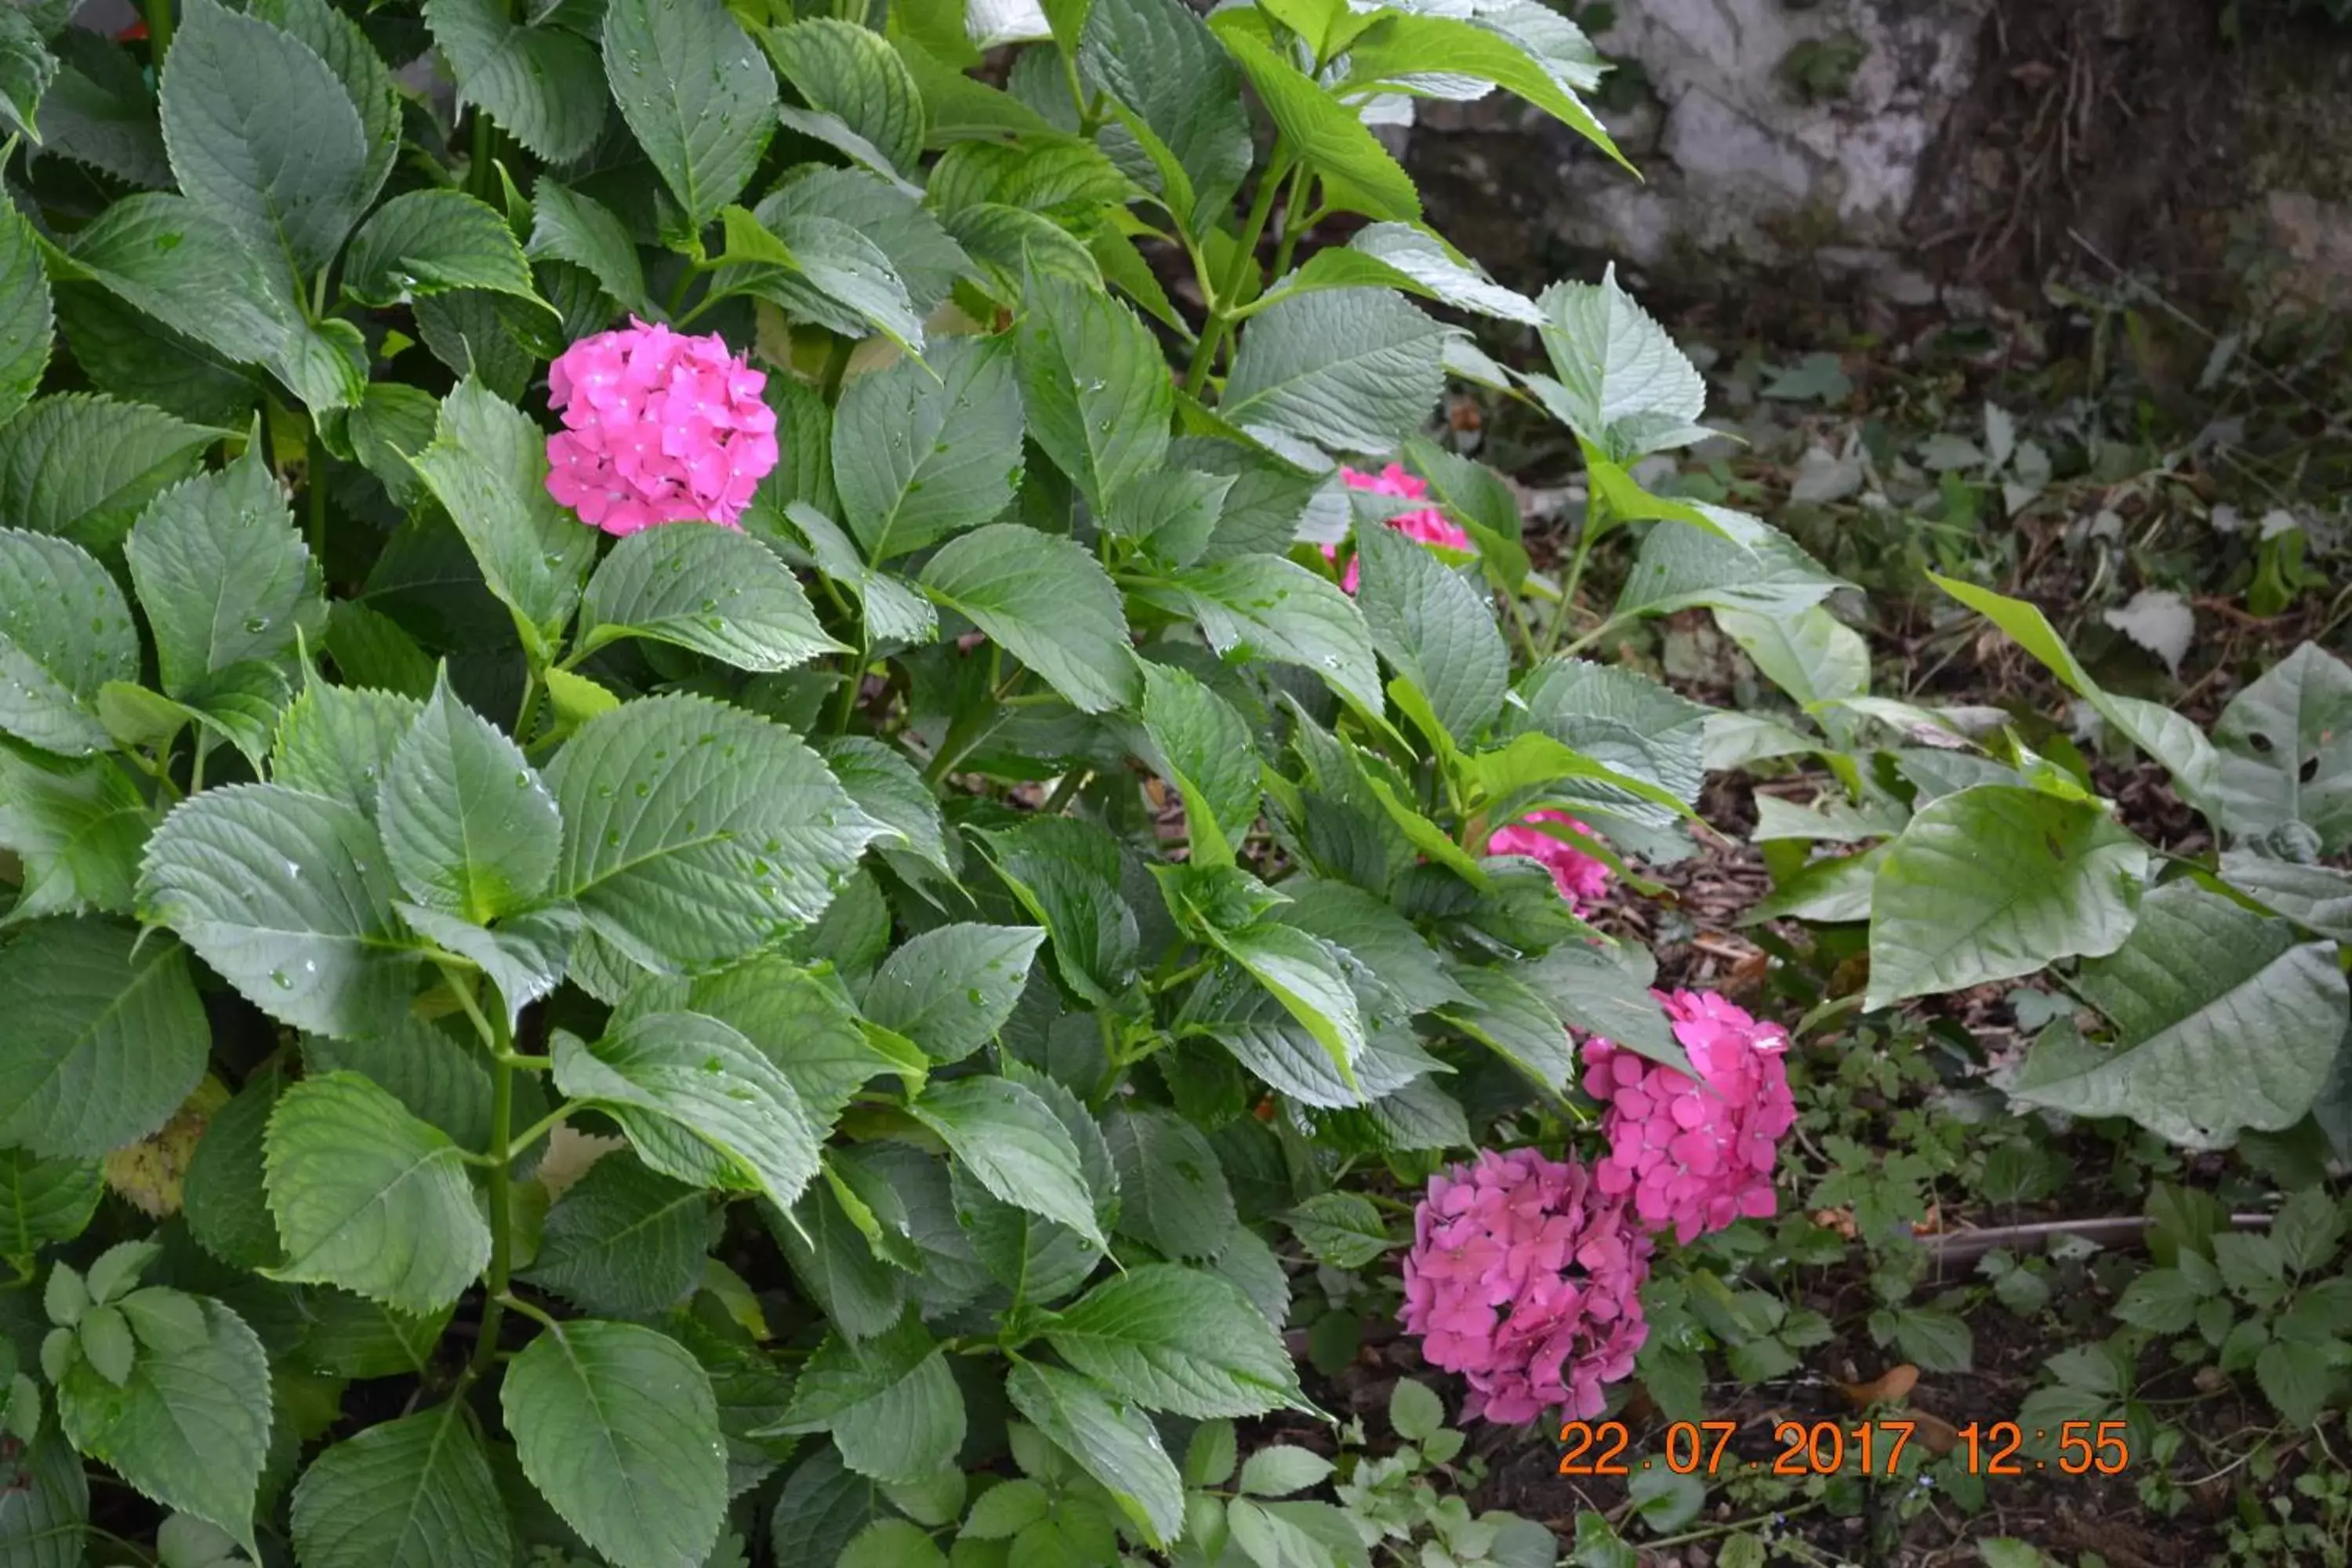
[(1064, 790), (1212, 333), (481, 178), (853, 685), (203, 745), (527, 708), (501, 1152), (1595, 525), (314, 498), (159, 33), (836, 365), (1292, 229)]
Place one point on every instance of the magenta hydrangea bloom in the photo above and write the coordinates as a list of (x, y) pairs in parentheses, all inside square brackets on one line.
[(1525, 1278), (658, 426), (1581, 879), (1429, 525), (1695, 1155)]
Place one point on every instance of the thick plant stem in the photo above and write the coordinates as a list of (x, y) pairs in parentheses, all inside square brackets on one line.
[(157, 15), (481, 177), (501, 1152), (314, 499), (1220, 322)]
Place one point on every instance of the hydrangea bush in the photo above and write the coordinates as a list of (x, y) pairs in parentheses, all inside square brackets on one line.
[(808, 1029)]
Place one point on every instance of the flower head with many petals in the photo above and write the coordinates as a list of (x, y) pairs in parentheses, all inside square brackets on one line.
[(1696, 1153), (658, 426), (1581, 879), (1525, 1278), (1428, 524)]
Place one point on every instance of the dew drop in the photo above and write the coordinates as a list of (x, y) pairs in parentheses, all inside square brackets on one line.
[(283, 981)]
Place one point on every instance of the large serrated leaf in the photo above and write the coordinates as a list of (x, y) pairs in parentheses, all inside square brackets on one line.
[(417, 1492), (624, 1239), (25, 315), (81, 466), (107, 1036), (44, 1202), (951, 988), (1435, 629), (1177, 1339), (542, 84), (699, 1101), (702, 586), (369, 1198), (695, 92), (1323, 132), (227, 1205), (890, 1402), (1206, 751), (261, 132), (1173, 1193), (616, 1426), (432, 242), (467, 825), (223, 574), (339, 41), (1095, 385), (337, 740), (1048, 602), (1401, 256), (1996, 882), (853, 73), (1012, 1140), (190, 1426), (1355, 370), (696, 833), (569, 226), (487, 465), (1624, 384), (1741, 564), (806, 1028), (2224, 1021), (287, 896), (2286, 745), (1114, 1443), (66, 632), (1268, 607), (1158, 61), (919, 453)]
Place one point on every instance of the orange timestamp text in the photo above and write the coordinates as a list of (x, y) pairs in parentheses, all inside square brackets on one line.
[(1828, 1447)]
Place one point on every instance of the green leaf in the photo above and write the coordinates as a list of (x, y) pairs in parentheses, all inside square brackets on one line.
[(616, 1426), (2306, 1228), (1401, 256), (2286, 745), (1354, 370), (1305, 976), (370, 1198), (286, 895), (441, 1080), (93, 115), (919, 453), (805, 1027), (569, 226), (2160, 1301), (487, 465), (1400, 48), (1281, 1468), (1160, 62), (1096, 387), (1624, 385), (81, 466), (27, 69), (190, 1427), (623, 1240), (890, 1402), (67, 632), (2171, 739), (819, 268), (1399, 961), (1756, 568), (2223, 1021), (1048, 602), (417, 1492), (894, 612), (367, 81), (700, 100), (262, 133), (1996, 882), (887, 788), (696, 833), (1342, 1230), (1813, 656), (431, 242), (45, 1514), (1206, 751), (26, 318), (44, 1202), (1265, 606), (1112, 1442), (700, 1102), (1622, 720), (221, 573), (541, 83), (951, 989), (1173, 1193), (1067, 873), (227, 1206), (2299, 1378), (106, 1039), (337, 741), (1176, 1339), (2313, 896), (1517, 1023), (925, 261), (1012, 1140), (1328, 135), (1049, 175), (892, 1543), (835, 1264), (847, 71), (1435, 629), (467, 825), (714, 590)]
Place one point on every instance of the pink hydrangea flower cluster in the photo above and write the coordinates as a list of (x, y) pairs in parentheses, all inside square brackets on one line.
[(1697, 1154), (658, 426), (1525, 1278), (1429, 525), (1581, 879)]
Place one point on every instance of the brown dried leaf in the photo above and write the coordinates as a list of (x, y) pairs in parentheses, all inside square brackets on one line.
[(1889, 1388)]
